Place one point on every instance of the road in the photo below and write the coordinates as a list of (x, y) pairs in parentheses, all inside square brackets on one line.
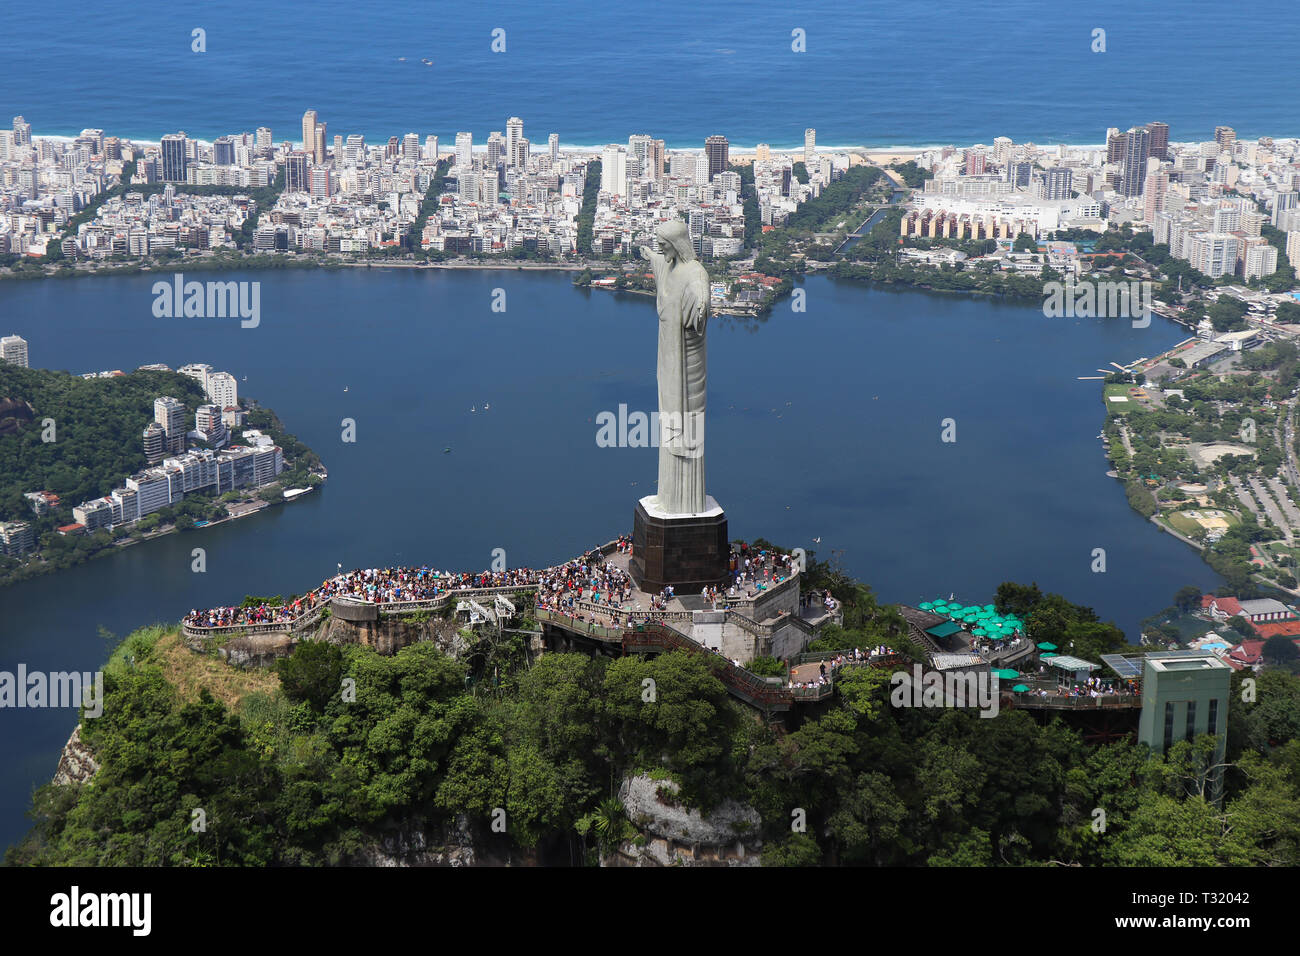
[(1243, 495), (1271, 509), (1291, 465), (1283, 495)]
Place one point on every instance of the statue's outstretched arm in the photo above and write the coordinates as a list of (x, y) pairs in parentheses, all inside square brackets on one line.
[(695, 305)]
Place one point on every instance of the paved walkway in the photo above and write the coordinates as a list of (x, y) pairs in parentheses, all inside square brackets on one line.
[(808, 673)]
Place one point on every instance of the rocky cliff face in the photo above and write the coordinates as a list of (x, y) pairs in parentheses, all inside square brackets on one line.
[(76, 764), (415, 843), (673, 835), (256, 650), (390, 635)]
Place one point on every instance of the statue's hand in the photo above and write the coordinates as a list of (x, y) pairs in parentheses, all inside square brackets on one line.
[(646, 252)]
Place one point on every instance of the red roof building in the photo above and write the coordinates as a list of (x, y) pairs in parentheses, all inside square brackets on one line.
[(1220, 607), (1272, 628), (1245, 654)]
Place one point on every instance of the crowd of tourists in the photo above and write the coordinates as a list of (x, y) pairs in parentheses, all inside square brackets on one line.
[(569, 588), (754, 570), (1093, 687), (393, 585), (596, 582), (828, 669), (256, 614)]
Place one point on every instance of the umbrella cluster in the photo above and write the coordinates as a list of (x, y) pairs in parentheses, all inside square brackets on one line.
[(984, 621)]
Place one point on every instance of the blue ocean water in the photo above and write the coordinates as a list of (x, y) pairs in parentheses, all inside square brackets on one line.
[(910, 73)]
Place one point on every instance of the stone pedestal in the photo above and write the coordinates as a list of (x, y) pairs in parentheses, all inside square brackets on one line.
[(689, 552)]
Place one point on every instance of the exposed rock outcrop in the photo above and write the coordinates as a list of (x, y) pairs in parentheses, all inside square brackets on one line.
[(76, 764), (256, 650), (14, 414), (389, 635), (674, 835), (413, 843)]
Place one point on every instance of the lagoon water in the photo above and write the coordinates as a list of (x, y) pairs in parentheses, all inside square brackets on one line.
[(823, 424)]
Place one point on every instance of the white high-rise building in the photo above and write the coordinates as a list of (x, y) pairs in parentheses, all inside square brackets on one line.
[(809, 145), (1214, 253), (1227, 218), (1154, 192), (1293, 246), (208, 423), (1283, 202), (354, 150), (1261, 260), (309, 132), (467, 182), (170, 414), (497, 149), (197, 371), (464, 149), (613, 171), (514, 135), (553, 141), (702, 169), (431, 148), (222, 390), (13, 350), (640, 146), (489, 186)]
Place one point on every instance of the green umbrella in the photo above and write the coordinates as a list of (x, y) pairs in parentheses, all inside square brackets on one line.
[(979, 632), (1020, 688), (1045, 656), (1006, 673), (989, 607), (1047, 646), (925, 606)]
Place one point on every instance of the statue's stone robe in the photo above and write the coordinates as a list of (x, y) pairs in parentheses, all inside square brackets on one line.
[(682, 298)]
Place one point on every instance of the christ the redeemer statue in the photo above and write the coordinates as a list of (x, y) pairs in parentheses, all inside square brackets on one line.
[(682, 300)]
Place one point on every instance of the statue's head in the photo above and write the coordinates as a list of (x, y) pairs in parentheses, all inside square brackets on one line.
[(675, 241)]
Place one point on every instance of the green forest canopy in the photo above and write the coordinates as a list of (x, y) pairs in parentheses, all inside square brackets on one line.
[(97, 427), (301, 776)]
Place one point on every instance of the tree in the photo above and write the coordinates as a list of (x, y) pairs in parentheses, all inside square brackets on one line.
[(1242, 626), (795, 849), (312, 674), (1228, 314), (1280, 649), (1188, 598), (587, 214), (678, 720)]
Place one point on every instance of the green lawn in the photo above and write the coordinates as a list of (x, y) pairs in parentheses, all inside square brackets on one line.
[(1120, 407), (1185, 525)]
